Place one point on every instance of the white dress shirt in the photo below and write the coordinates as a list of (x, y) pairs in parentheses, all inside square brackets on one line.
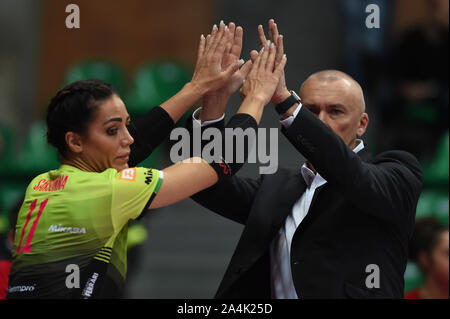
[(196, 118), (280, 248)]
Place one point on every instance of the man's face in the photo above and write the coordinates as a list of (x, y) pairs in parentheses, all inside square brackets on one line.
[(338, 105)]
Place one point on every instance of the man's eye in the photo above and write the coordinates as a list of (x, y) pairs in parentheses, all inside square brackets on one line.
[(336, 112), (312, 109)]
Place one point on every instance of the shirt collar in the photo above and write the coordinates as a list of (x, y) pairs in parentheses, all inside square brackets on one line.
[(309, 176)]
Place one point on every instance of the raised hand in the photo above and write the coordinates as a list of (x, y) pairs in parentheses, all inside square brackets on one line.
[(281, 92), (264, 76), (214, 102), (231, 57), (208, 74)]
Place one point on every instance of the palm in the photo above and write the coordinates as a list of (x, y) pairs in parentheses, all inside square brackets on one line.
[(236, 79), (281, 88)]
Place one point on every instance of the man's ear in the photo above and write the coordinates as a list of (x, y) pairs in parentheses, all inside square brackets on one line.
[(363, 122), (74, 143)]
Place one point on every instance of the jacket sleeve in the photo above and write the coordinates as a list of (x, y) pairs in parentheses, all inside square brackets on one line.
[(231, 197), (149, 130), (387, 188)]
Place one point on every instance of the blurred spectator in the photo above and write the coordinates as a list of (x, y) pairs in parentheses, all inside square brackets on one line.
[(418, 109), (5, 263), (6, 247), (429, 249)]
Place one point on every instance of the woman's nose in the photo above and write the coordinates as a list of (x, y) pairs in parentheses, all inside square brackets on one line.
[(128, 139)]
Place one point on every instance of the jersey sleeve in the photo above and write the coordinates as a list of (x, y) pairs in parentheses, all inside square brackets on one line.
[(133, 190)]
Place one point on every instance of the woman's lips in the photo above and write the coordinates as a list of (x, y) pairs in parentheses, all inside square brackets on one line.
[(124, 158)]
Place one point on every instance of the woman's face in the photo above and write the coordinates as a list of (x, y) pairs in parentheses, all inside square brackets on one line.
[(107, 141), (440, 259)]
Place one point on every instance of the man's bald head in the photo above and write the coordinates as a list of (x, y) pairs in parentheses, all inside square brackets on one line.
[(338, 101), (329, 76)]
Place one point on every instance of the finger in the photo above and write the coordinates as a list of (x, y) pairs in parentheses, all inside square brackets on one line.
[(223, 47), (210, 38), (273, 31), (201, 49), (227, 48), (261, 36), (236, 49), (271, 58), (241, 93), (219, 39), (232, 28), (280, 49), (279, 69), (208, 42), (245, 69), (253, 55), (256, 62), (264, 57), (229, 33)]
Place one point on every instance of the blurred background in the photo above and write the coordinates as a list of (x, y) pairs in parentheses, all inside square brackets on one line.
[(147, 50)]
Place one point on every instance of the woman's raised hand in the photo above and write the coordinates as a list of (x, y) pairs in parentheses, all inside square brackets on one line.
[(212, 50)]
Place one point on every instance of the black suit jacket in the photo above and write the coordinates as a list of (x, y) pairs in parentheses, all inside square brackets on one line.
[(363, 215)]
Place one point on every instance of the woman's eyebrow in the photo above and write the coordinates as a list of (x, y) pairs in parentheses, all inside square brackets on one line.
[(116, 119)]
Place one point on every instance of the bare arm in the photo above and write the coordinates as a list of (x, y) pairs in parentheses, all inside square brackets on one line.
[(182, 180)]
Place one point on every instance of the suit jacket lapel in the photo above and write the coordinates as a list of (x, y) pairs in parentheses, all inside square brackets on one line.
[(277, 204), (273, 203), (325, 191)]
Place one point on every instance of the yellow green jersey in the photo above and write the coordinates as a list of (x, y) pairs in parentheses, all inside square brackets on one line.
[(71, 231)]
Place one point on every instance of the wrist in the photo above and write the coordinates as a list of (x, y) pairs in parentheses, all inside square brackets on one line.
[(204, 115), (256, 99), (213, 107), (196, 89), (289, 112), (281, 97)]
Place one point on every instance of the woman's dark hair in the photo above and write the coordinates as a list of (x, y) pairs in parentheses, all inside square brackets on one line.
[(73, 108), (426, 234)]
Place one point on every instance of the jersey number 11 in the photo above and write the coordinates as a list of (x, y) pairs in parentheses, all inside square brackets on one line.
[(27, 247)]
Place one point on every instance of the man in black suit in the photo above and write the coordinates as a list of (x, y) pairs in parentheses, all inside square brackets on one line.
[(338, 227)]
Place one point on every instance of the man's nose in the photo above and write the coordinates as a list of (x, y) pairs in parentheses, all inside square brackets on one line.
[(322, 116)]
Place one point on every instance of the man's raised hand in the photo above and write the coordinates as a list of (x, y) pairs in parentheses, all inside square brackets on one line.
[(281, 93), (264, 76)]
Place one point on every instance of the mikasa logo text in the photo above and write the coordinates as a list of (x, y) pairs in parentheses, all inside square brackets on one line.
[(60, 229)]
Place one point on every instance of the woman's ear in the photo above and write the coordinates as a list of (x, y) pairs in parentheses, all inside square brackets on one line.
[(74, 143)]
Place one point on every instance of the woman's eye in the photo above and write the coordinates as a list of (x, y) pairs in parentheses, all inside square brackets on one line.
[(111, 131)]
